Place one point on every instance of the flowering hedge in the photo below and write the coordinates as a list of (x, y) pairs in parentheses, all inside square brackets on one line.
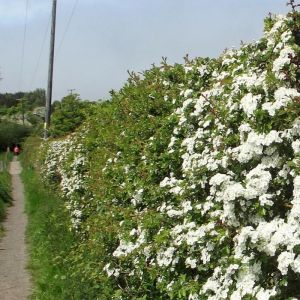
[(186, 185)]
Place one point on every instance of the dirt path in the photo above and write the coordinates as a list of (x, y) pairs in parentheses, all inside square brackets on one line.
[(14, 278)]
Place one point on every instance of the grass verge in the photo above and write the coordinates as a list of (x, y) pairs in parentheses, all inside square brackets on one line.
[(50, 241), (5, 190)]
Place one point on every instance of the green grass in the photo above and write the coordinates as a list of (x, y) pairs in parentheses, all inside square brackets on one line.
[(50, 241), (5, 189)]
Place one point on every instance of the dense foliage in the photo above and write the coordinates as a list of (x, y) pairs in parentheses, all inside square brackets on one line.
[(19, 112), (12, 134), (12, 103), (45, 233), (186, 184), (5, 190), (68, 114)]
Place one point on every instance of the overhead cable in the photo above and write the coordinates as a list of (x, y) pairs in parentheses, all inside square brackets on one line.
[(41, 52), (67, 27), (23, 45)]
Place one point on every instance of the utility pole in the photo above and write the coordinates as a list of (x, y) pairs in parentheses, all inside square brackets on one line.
[(22, 109), (71, 91), (50, 72), (23, 113)]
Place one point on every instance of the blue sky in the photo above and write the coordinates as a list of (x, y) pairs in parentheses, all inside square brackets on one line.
[(108, 37)]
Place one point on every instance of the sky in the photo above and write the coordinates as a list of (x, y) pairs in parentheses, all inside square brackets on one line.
[(98, 41)]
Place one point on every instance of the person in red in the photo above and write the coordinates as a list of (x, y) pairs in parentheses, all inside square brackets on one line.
[(16, 150)]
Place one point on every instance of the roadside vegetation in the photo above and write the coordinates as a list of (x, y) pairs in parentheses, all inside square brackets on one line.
[(50, 241), (5, 188), (185, 185)]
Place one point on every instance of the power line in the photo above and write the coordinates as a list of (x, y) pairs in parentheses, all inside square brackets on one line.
[(41, 52), (23, 46), (67, 27)]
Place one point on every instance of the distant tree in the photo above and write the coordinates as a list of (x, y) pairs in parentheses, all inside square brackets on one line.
[(67, 115), (32, 99), (36, 98), (12, 134), (9, 100)]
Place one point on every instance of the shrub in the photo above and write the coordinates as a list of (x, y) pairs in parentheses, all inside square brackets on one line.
[(67, 115), (12, 134), (186, 184)]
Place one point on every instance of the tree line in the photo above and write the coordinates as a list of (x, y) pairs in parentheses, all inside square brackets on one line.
[(22, 114)]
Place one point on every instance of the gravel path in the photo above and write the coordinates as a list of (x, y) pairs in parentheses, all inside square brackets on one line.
[(14, 278)]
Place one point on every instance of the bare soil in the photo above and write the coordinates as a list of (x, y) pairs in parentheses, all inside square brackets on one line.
[(14, 278)]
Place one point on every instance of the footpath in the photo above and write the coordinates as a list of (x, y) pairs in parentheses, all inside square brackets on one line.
[(14, 278)]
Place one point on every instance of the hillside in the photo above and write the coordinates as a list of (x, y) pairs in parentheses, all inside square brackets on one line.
[(186, 184)]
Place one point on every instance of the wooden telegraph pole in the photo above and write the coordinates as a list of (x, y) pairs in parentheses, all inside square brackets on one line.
[(50, 72)]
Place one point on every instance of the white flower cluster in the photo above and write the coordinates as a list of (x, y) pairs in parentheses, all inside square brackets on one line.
[(284, 59), (126, 247), (69, 173), (283, 96)]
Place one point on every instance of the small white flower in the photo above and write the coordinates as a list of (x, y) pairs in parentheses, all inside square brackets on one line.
[(249, 103)]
